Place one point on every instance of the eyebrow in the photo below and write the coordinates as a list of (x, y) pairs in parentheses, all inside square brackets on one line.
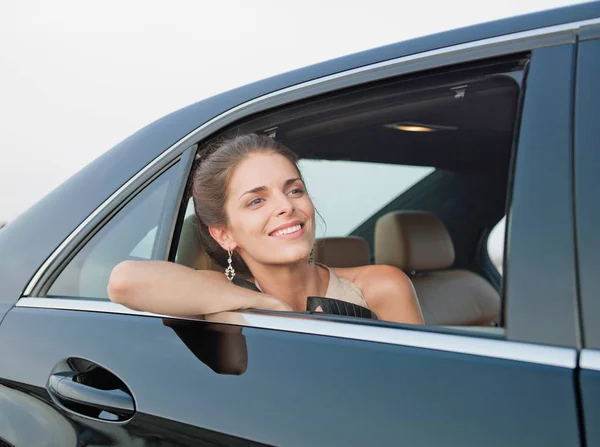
[(264, 188)]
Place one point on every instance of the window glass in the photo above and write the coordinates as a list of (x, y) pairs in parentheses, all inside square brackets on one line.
[(130, 234), (496, 244), (346, 193)]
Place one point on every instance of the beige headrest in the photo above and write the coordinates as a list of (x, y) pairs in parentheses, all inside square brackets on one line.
[(413, 240), (350, 251), (190, 252)]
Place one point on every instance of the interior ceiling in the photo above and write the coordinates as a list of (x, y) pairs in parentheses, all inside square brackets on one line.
[(479, 111)]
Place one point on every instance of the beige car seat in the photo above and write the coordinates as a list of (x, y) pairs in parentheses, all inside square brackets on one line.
[(418, 243), (349, 251), (190, 252)]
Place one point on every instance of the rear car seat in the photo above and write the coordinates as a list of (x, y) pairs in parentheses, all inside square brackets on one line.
[(349, 251), (190, 252), (418, 243)]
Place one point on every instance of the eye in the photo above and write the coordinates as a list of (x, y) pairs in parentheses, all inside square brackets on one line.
[(296, 192), (255, 202)]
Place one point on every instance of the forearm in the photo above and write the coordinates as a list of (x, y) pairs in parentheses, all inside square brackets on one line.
[(170, 289)]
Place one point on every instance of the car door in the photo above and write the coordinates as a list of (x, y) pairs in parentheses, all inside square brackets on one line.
[(587, 209), (80, 370)]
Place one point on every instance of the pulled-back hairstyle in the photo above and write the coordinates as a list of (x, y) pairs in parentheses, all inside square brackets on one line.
[(211, 180)]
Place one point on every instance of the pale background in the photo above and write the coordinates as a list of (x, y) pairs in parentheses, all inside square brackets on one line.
[(77, 76)]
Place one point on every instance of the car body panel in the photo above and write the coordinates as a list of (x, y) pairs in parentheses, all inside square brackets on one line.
[(587, 212), (589, 395), (285, 388), (541, 208), (587, 187)]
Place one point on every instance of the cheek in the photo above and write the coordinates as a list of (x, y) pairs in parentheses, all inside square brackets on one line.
[(235, 223), (307, 207), (247, 224)]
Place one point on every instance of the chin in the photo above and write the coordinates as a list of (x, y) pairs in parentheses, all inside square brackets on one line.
[(291, 256), (292, 259)]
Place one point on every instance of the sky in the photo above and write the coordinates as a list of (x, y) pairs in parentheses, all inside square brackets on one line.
[(77, 77)]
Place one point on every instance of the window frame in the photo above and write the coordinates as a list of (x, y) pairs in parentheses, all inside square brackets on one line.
[(103, 215), (586, 183), (540, 207), (441, 58)]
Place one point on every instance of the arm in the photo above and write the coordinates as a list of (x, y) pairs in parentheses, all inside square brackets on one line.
[(390, 294), (170, 289)]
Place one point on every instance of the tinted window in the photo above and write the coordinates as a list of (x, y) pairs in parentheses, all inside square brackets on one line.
[(130, 234)]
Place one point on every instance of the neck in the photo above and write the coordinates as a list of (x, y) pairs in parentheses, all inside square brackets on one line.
[(292, 283)]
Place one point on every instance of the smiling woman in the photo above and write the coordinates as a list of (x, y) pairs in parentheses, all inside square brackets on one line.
[(234, 187), (257, 220)]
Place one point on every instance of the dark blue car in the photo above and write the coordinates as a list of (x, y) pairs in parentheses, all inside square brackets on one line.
[(414, 153)]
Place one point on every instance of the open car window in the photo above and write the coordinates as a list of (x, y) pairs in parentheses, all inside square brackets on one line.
[(435, 147)]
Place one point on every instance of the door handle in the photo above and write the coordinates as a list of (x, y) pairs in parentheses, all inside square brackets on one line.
[(65, 387)]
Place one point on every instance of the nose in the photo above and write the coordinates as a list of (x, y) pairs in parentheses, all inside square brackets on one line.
[(284, 205)]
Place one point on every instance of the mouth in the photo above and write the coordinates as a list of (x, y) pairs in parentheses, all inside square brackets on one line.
[(293, 229)]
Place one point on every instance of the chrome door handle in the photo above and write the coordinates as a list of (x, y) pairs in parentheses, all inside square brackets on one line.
[(65, 387)]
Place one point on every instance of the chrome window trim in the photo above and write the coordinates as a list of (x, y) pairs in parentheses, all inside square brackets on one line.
[(590, 359), (461, 344), (392, 64)]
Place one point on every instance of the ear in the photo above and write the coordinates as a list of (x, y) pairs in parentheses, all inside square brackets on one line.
[(223, 237)]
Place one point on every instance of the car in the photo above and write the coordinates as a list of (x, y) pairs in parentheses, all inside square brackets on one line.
[(413, 154)]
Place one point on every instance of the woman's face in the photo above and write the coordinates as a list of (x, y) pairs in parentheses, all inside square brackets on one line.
[(270, 215)]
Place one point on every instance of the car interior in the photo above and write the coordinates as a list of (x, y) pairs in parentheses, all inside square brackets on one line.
[(461, 122)]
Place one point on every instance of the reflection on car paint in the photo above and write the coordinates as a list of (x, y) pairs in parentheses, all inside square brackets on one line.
[(220, 347)]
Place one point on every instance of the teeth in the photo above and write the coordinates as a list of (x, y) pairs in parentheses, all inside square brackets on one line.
[(288, 230)]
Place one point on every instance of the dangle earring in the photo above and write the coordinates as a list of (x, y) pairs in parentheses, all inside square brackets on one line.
[(229, 271), (310, 257)]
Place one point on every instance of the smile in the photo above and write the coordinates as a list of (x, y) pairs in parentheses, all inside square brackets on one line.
[(288, 230)]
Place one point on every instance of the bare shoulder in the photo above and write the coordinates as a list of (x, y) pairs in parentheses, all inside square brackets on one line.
[(369, 276), (387, 290)]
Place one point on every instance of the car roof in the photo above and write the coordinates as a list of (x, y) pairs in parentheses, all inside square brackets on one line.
[(27, 241)]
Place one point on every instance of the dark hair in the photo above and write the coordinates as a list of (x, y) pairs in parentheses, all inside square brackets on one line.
[(211, 179)]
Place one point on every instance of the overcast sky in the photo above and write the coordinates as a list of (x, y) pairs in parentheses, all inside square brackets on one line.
[(77, 76)]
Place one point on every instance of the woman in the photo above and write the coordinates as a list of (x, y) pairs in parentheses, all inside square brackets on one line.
[(257, 219)]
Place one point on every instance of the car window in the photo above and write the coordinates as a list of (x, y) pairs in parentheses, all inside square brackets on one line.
[(130, 234), (495, 244), (346, 193), (404, 174)]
